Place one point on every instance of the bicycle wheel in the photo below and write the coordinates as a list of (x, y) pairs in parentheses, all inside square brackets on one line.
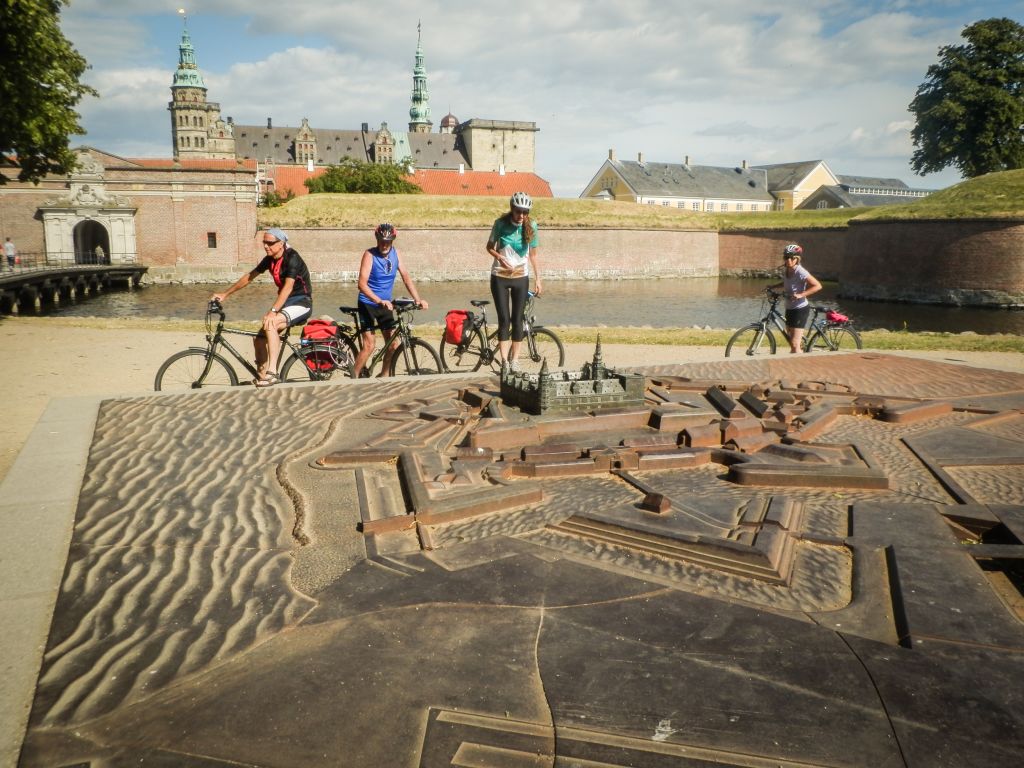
[(182, 372), (463, 358), (539, 346), (423, 359), (319, 362), (751, 340), (832, 338)]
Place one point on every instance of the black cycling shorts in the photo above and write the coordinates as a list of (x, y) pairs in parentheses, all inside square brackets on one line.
[(376, 317), (797, 318)]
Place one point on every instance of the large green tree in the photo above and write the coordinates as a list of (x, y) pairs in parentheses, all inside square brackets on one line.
[(970, 109), (39, 88), (355, 176)]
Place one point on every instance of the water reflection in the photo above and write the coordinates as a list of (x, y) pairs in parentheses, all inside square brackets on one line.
[(673, 303)]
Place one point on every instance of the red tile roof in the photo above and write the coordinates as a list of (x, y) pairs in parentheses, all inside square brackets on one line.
[(440, 182), (431, 181), (292, 177)]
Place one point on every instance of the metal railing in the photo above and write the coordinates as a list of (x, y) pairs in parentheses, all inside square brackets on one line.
[(33, 261)]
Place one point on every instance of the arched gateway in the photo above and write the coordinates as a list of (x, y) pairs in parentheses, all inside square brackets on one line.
[(89, 225)]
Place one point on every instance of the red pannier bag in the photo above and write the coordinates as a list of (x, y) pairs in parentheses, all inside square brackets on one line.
[(318, 331), (457, 326), (836, 317)]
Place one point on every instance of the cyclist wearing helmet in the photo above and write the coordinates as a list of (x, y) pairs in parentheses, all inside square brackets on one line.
[(797, 284), (377, 271), (294, 300), (513, 247)]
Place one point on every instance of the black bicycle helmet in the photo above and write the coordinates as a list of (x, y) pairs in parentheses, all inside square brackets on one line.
[(385, 231)]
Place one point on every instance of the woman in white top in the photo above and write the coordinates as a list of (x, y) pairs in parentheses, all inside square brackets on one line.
[(797, 284)]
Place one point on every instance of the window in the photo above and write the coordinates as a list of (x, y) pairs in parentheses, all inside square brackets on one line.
[(680, 204), (725, 206), (666, 203), (822, 204), (211, 239), (739, 206), (651, 202), (696, 206), (753, 207), (710, 207)]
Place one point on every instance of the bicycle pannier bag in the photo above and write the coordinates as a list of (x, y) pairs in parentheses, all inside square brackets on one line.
[(319, 330), (458, 326), (315, 331), (836, 317)]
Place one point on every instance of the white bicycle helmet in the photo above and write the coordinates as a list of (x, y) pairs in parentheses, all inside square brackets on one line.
[(792, 250), (521, 200)]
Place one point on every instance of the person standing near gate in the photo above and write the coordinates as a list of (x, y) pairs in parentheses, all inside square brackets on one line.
[(11, 252)]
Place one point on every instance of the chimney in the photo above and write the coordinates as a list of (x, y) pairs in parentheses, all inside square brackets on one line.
[(611, 155), (501, 169), (366, 127), (640, 157), (269, 125), (744, 165), (462, 168), (686, 161), (231, 120)]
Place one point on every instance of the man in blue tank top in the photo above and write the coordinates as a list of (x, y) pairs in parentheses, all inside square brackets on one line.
[(377, 272)]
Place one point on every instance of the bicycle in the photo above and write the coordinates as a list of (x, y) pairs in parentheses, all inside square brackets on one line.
[(828, 330), (413, 357), (198, 367), (481, 347)]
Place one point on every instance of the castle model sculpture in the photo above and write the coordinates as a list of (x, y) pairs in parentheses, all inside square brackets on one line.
[(594, 387)]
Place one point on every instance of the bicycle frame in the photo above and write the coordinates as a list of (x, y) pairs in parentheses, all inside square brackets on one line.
[(215, 340), (402, 334), (492, 336)]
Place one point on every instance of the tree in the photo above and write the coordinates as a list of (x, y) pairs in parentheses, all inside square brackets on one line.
[(39, 88), (355, 176), (970, 109)]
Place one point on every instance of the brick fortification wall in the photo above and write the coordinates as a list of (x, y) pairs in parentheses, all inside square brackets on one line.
[(945, 262), (759, 254), (570, 254)]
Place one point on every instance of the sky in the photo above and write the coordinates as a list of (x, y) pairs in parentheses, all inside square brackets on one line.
[(719, 81)]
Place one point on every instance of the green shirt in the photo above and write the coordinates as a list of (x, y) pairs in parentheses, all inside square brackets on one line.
[(508, 240)]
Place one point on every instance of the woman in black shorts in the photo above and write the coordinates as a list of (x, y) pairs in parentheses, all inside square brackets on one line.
[(797, 284)]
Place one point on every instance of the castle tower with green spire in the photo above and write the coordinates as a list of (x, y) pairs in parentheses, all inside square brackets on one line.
[(197, 130), (419, 112)]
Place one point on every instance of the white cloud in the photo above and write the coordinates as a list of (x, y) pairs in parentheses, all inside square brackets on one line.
[(772, 82)]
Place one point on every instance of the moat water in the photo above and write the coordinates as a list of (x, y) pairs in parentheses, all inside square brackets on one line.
[(661, 303)]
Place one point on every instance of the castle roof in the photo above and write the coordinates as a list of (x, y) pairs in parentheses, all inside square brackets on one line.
[(428, 150)]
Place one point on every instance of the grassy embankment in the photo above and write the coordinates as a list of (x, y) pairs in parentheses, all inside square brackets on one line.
[(996, 195)]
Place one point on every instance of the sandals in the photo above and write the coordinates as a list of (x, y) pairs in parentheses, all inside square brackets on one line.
[(269, 380)]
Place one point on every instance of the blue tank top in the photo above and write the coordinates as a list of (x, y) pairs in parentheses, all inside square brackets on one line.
[(382, 275)]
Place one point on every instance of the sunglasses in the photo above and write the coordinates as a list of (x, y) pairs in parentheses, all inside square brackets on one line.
[(270, 242), (523, 211)]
